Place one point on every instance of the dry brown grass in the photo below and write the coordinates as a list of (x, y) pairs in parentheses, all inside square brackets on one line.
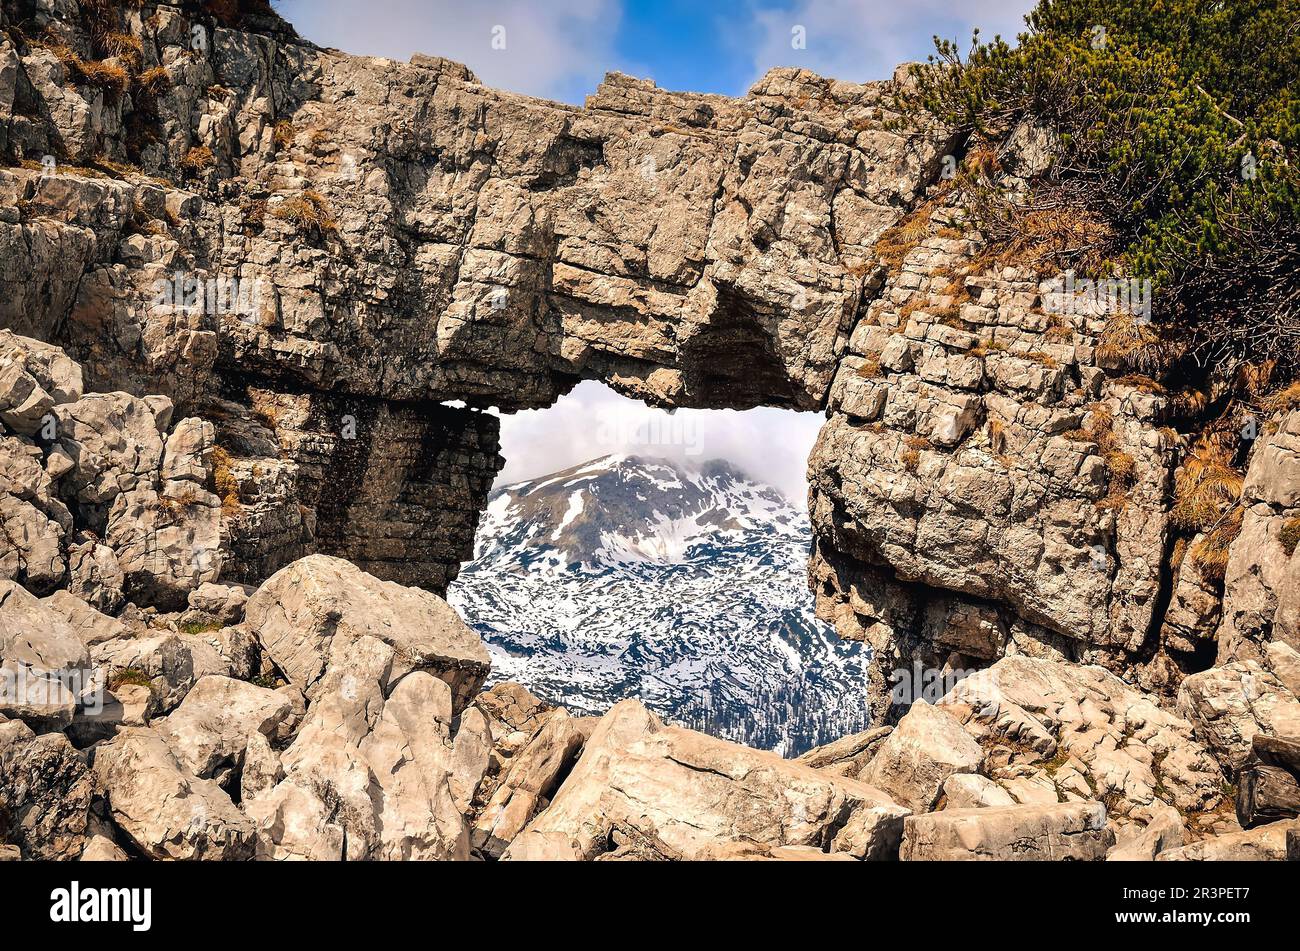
[(1178, 553), (918, 302), (176, 505), (267, 411), (1049, 233), (1290, 535), (1206, 486), (1190, 404), (1141, 383), (1121, 468), (911, 456), (308, 211), (1254, 379), (105, 74), (1283, 401), (986, 347), (124, 46), (902, 239), (154, 82), (997, 436), (198, 160), (1210, 555), (116, 169), (949, 315), (1130, 341), (869, 369), (128, 677), (284, 134), (1042, 359), (227, 486)]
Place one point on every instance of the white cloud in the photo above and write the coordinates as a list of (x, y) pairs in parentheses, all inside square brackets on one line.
[(770, 444), (554, 50), (860, 40)]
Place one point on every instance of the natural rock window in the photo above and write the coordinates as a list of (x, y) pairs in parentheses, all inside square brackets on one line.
[(629, 552)]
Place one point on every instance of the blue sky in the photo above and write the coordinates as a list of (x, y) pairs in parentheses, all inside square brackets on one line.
[(561, 48)]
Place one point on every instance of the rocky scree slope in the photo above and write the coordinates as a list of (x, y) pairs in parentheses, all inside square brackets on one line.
[(681, 584), (990, 491)]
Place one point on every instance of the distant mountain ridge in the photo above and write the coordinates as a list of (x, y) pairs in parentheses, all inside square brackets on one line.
[(682, 585)]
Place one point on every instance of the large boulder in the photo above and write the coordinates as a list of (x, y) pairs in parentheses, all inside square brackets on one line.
[(1165, 830), (44, 665), (471, 754), (973, 791), (210, 730), (34, 376), (164, 662), (1267, 843), (849, 754), (309, 613), (45, 793), (92, 627), (1230, 704), (224, 602), (928, 745), (533, 776), (1052, 833), (166, 811), (1268, 786), (368, 775), (694, 793)]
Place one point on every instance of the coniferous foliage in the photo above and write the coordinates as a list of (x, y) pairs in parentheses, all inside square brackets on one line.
[(1178, 123)]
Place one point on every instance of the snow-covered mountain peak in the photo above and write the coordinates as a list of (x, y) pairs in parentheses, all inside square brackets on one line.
[(624, 508), (681, 584)]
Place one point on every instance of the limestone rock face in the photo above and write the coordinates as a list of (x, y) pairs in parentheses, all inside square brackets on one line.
[(265, 343), (1064, 832), (1261, 597), (464, 244), (105, 496), (165, 811), (962, 504), (695, 793), (309, 613)]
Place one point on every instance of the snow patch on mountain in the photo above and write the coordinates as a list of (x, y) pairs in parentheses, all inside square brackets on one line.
[(684, 586)]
